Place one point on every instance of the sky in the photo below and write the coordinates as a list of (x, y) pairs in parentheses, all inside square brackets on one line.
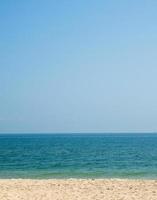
[(78, 66)]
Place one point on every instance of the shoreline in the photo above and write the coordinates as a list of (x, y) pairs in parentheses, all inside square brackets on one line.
[(75, 179), (78, 189)]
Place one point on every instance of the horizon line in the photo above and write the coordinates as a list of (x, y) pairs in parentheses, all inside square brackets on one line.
[(109, 132)]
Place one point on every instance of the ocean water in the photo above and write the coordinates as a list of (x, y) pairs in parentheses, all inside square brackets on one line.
[(78, 156)]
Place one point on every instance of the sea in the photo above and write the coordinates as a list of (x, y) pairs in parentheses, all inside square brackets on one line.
[(45, 156)]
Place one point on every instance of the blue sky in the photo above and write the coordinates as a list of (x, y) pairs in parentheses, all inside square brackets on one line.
[(78, 66)]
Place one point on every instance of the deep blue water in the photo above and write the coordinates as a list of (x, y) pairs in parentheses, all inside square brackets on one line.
[(78, 156)]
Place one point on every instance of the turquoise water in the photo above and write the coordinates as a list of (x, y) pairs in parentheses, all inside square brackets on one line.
[(78, 156)]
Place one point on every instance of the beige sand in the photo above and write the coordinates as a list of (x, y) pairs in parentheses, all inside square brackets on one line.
[(70, 189)]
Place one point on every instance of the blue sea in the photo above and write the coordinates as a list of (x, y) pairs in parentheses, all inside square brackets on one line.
[(78, 156)]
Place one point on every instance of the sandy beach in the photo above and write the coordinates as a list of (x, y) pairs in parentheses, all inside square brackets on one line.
[(78, 189)]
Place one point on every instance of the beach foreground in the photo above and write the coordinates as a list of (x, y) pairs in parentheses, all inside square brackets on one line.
[(73, 189)]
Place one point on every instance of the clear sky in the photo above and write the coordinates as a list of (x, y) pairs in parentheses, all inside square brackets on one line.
[(78, 66)]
